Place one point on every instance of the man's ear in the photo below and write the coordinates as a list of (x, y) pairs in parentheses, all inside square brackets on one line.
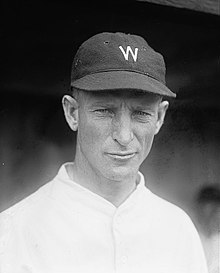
[(162, 108), (70, 107)]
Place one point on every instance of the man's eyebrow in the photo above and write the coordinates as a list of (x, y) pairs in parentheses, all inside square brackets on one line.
[(103, 103)]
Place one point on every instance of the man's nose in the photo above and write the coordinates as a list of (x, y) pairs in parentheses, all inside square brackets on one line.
[(122, 130)]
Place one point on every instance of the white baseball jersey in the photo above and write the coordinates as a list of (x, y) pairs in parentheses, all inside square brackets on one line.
[(63, 227)]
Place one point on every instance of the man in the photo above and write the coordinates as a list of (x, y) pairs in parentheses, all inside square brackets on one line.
[(97, 215)]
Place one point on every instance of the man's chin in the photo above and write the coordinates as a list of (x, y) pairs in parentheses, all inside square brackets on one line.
[(122, 173)]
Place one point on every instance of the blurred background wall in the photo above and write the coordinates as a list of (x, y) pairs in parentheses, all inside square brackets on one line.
[(38, 42)]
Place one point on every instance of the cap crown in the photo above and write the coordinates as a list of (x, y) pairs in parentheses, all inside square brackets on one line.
[(117, 52)]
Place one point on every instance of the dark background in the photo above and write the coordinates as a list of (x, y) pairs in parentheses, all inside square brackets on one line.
[(38, 42)]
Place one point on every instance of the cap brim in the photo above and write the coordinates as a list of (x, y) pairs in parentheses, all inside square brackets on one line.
[(120, 80)]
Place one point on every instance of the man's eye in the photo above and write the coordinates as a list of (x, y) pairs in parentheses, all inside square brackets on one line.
[(141, 113), (141, 116), (102, 111)]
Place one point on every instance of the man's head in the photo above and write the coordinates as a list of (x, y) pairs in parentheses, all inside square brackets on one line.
[(117, 108), (208, 201)]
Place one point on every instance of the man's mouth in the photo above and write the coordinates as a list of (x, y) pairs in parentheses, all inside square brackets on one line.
[(122, 155)]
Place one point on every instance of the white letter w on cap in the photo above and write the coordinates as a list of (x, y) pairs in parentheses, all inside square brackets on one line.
[(126, 54)]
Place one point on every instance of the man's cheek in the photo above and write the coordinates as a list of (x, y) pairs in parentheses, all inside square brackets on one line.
[(91, 137)]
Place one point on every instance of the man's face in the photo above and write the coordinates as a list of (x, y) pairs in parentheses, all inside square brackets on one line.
[(116, 131)]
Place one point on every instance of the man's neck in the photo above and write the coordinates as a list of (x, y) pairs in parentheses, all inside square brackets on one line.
[(115, 192)]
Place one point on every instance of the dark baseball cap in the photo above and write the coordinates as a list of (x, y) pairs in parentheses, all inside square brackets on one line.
[(118, 61)]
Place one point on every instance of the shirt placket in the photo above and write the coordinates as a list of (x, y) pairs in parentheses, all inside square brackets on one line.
[(121, 255)]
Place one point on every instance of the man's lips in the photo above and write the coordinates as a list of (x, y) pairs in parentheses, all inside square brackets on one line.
[(121, 155)]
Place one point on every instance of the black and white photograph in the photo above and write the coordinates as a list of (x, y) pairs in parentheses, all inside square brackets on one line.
[(110, 136)]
